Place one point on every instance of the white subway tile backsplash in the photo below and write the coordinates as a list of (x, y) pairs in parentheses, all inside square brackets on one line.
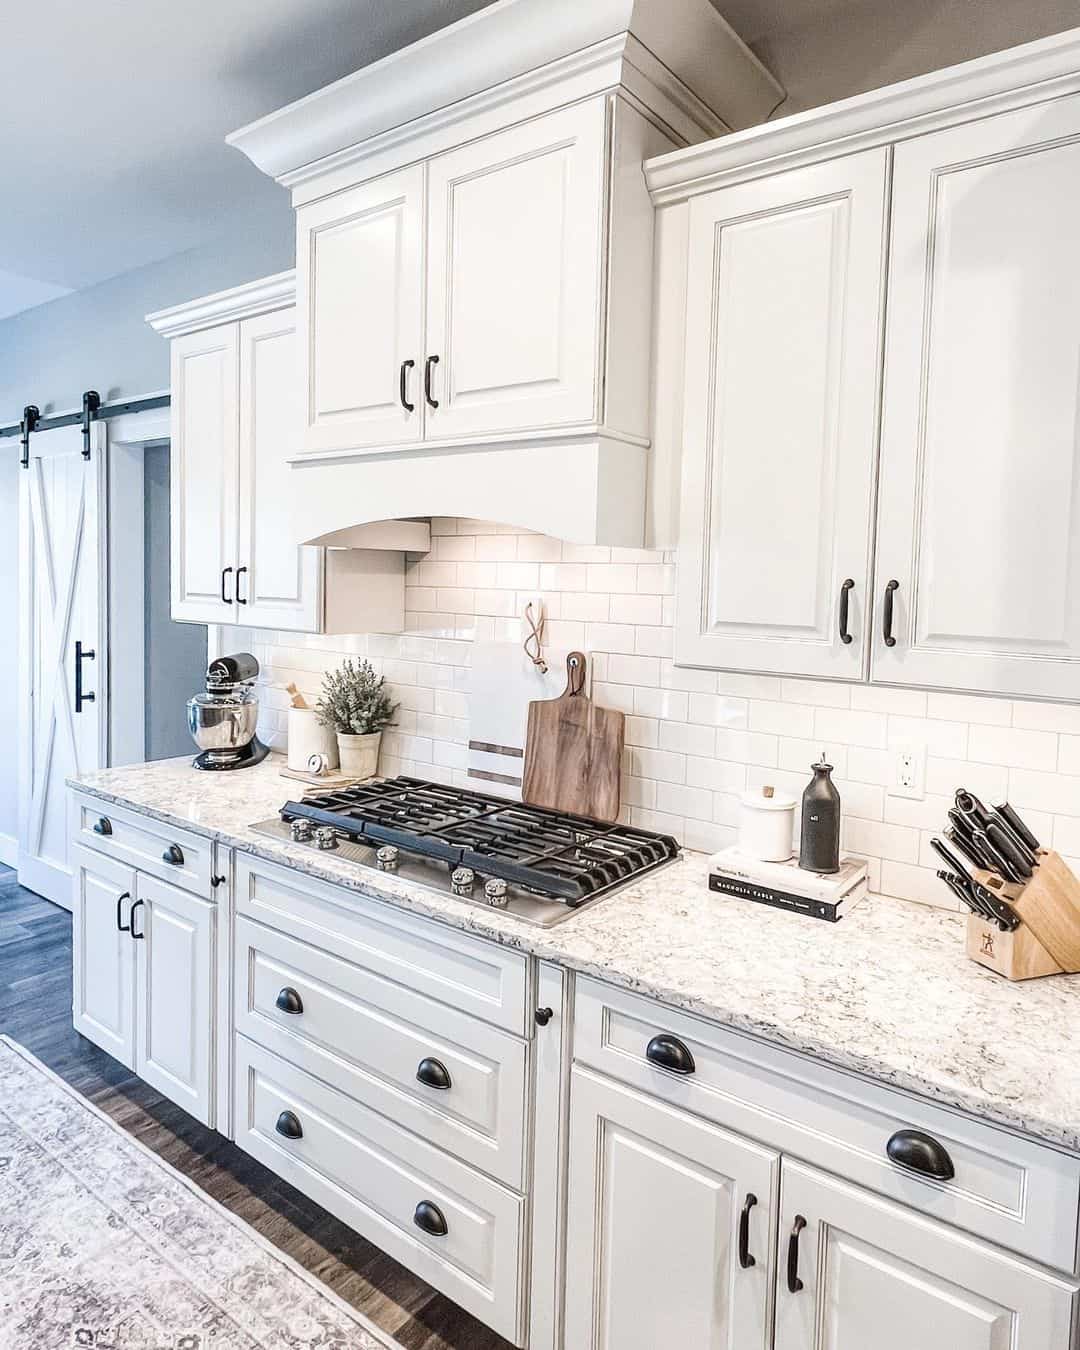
[(948, 739), (996, 712), (634, 670), (686, 738), (1056, 793), (749, 747), (646, 609), (901, 702), (1063, 717), (672, 705), (817, 693), (1013, 747), (988, 781), (781, 719), (716, 710), (716, 774), (852, 728)]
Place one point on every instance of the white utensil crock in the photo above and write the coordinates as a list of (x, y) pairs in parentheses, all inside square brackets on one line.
[(307, 737)]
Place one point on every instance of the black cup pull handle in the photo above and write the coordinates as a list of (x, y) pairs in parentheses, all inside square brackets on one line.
[(668, 1052), (225, 599), (403, 386), (288, 1125), (794, 1284), (131, 922), (433, 1074), (122, 927), (430, 1218), (289, 1001), (173, 855), (103, 826), (745, 1259), (921, 1153), (845, 592), (887, 633), (428, 365)]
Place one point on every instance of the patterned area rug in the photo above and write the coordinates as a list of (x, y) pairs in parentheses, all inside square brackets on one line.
[(105, 1246)]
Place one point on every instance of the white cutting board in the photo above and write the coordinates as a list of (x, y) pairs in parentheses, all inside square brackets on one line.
[(502, 684)]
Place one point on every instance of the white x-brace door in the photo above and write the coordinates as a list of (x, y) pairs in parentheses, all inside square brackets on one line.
[(62, 587)]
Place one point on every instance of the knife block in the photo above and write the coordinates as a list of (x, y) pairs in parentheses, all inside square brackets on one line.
[(1048, 939)]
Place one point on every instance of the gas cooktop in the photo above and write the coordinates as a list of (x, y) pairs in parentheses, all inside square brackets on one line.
[(537, 864)]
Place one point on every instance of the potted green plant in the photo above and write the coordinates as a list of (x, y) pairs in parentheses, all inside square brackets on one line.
[(356, 704)]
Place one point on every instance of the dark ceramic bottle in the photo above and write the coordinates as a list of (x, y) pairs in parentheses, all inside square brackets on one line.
[(819, 847)]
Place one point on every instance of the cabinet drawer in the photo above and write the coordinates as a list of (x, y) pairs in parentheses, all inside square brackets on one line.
[(387, 1046), (1012, 1191), (140, 842), (431, 958), (374, 1176)]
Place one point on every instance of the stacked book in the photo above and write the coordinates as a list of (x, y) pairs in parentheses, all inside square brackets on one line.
[(785, 885)]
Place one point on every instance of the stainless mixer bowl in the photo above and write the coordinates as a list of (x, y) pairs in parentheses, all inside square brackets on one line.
[(218, 722)]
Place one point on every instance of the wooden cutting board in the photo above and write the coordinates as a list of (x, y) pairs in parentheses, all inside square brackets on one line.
[(573, 751)]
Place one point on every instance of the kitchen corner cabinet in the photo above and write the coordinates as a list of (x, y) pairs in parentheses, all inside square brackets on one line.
[(965, 208)]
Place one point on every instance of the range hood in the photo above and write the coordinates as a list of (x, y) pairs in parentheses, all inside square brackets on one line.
[(473, 220)]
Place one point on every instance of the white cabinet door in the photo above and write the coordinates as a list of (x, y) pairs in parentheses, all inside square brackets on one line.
[(278, 583), (656, 1199), (204, 475), (786, 276), (174, 935), (103, 957), (875, 1275), (979, 518), (515, 244), (359, 298)]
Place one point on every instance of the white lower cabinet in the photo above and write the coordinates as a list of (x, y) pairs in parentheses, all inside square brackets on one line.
[(674, 1218), (859, 1272), (103, 892)]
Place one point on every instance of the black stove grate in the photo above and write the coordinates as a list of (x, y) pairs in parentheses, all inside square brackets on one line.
[(569, 857)]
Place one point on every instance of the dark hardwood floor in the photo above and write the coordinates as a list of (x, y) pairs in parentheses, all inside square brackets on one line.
[(35, 1010)]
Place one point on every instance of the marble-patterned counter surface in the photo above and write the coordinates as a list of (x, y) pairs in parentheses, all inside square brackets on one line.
[(887, 992)]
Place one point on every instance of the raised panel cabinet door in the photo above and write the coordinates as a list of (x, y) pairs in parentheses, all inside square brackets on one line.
[(359, 301), (979, 520), (103, 965), (856, 1271), (174, 1003), (515, 248), (279, 582), (786, 278), (205, 473), (657, 1200)]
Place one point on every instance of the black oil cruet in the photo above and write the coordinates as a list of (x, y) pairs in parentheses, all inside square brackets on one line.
[(819, 847)]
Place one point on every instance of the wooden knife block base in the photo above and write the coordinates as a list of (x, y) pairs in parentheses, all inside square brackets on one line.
[(1048, 939)]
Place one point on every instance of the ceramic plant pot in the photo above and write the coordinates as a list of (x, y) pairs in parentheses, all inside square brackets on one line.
[(359, 755)]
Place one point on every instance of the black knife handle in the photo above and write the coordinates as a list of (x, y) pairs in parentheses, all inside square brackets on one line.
[(845, 591), (947, 856), (998, 862), (970, 807), (1003, 842), (886, 628), (1028, 854), (1017, 826), (1005, 915)]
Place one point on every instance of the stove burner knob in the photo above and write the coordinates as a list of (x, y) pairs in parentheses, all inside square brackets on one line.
[(495, 893), (300, 831), (326, 837), (461, 881), (386, 858)]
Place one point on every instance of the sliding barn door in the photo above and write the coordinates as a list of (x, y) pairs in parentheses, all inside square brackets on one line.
[(62, 700)]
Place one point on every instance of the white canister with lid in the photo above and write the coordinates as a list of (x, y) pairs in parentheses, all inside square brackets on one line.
[(767, 825)]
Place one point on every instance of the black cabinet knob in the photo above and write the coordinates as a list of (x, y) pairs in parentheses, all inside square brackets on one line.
[(173, 855), (432, 1073), (543, 1016), (289, 1001), (430, 1218), (668, 1052), (921, 1153), (103, 826), (288, 1125)]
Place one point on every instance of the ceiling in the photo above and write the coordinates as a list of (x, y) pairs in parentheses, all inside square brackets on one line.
[(118, 156)]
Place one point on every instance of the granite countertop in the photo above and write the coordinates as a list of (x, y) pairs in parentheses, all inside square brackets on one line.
[(887, 992)]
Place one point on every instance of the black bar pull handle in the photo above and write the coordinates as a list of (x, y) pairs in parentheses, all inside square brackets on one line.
[(745, 1259), (794, 1284), (430, 1218), (403, 386), (921, 1153), (845, 591), (886, 627), (433, 1074), (122, 927), (668, 1052), (225, 599), (240, 571), (289, 1001), (288, 1125), (131, 921), (82, 654), (428, 364)]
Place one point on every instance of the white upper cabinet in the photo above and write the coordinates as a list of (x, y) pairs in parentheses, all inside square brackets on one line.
[(359, 284), (980, 488), (277, 586), (782, 338), (204, 468), (515, 235)]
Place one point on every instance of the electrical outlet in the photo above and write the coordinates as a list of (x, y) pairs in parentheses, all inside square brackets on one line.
[(909, 771)]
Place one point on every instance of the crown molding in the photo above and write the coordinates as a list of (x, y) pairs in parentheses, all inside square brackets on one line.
[(1006, 80), (240, 302)]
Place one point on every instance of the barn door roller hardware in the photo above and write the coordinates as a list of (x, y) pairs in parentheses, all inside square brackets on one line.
[(93, 410)]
